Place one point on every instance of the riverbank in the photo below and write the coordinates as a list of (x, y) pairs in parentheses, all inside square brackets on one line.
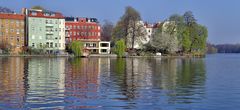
[(36, 56), (106, 56)]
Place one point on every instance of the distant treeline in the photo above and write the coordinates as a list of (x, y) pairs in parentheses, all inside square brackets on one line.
[(224, 48), (5, 10)]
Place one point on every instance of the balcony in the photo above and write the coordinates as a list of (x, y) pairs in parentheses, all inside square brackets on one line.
[(49, 25), (49, 33)]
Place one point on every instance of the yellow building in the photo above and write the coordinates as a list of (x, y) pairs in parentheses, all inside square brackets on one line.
[(12, 32)]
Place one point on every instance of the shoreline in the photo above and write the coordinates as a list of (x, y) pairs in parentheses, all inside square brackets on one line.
[(107, 56)]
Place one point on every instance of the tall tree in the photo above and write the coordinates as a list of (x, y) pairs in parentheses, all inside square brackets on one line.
[(107, 30), (189, 18), (37, 7), (129, 27), (164, 42)]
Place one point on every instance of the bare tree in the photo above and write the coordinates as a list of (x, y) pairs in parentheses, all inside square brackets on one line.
[(107, 29)]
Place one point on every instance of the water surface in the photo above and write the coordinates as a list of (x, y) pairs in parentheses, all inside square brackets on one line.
[(210, 83)]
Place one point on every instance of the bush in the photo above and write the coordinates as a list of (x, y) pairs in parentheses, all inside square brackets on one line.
[(76, 47), (120, 48)]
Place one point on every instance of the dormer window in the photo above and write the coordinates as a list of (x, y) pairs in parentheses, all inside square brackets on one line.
[(46, 14), (53, 14), (34, 13)]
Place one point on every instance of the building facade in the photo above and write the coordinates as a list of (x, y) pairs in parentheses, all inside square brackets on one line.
[(12, 34), (45, 30), (88, 31)]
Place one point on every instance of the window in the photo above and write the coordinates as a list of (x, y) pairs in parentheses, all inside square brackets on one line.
[(104, 50), (59, 44), (11, 37), (17, 23), (47, 44), (56, 44), (12, 21), (34, 13), (41, 45), (74, 27), (46, 21), (33, 28), (18, 31), (51, 45), (33, 45), (104, 44)]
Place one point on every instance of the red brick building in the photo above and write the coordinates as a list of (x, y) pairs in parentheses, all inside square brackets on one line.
[(88, 31), (83, 29)]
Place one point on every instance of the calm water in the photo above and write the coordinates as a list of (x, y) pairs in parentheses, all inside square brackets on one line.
[(211, 83)]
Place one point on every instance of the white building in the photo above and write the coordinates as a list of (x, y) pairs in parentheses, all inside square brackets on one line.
[(149, 30)]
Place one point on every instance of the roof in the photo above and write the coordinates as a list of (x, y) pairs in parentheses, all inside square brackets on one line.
[(12, 16), (45, 14), (81, 19)]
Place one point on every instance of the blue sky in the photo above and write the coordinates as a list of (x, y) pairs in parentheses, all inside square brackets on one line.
[(221, 17)]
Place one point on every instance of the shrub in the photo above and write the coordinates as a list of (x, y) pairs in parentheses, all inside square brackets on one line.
[(76, 47), (120, 48)]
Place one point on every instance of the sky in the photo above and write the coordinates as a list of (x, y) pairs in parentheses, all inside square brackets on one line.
[(221, 17)]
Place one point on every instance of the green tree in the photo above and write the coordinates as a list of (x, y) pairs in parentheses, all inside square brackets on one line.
[(76, 47), (37, 7), (129, 27), (186, 42), (120, 48), (164, 42)]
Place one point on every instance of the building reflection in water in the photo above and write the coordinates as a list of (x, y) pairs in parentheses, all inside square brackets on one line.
[(46, 79), (82, 82), (77, 83), (12, 87)]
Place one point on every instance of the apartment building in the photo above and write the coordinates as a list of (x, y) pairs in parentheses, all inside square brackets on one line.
[(45, 30), (88, 31), (12, 34)]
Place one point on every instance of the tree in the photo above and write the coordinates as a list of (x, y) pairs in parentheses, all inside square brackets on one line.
[(107, 29), (179, 27), (129, 27), (186, 42), (37, 7), (77, 48), (164, 42), (120, 48), (189, 18)]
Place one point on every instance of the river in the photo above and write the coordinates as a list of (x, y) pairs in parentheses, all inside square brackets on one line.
[(210, 83)]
